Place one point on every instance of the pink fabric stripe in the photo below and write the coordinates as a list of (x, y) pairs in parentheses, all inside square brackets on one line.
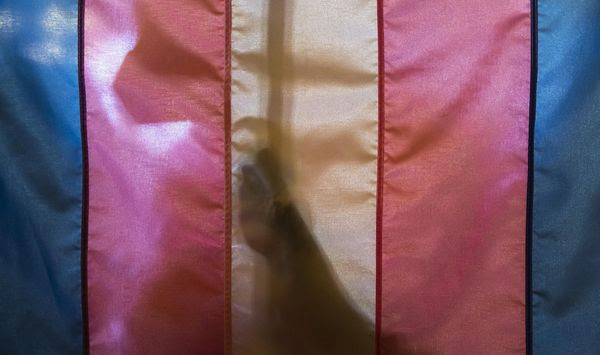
[(455, 174), (155, 78)]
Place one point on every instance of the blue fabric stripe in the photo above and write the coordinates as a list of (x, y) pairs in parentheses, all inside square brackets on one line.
[(566, 205), (40, 178)]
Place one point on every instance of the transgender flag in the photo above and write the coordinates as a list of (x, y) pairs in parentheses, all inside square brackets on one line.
[(440, 159)]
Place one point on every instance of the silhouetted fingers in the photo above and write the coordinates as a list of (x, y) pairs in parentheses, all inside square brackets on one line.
[(272, 169), (255, 210)]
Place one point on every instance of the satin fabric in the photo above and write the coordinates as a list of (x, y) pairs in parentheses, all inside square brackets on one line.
[(155, 79), (566, 278), (455, 174), (324, 70), (40, 179)]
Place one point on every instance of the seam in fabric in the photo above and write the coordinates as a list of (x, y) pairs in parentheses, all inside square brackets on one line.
[(530, 181), (85, 175), (228, 181), (380, 171)]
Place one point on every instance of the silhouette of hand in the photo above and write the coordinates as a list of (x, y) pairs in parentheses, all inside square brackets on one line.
[(307, 312)]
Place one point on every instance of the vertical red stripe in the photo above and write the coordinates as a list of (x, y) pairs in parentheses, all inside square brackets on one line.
[(454, 176), (380, 155), (228, 180), (157, 100)]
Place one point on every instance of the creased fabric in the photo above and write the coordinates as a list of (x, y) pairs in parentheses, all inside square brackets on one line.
[(155, 78), (455, 175), (40, 179), (566, 223)]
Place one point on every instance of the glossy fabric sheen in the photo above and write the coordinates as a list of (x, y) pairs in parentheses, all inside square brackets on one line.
[(455, 174), (155, 73), (328, 109), (566, 223), (40, 179)]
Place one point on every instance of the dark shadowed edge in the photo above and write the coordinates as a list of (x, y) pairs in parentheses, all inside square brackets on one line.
[(530, 178), (85, 175)]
